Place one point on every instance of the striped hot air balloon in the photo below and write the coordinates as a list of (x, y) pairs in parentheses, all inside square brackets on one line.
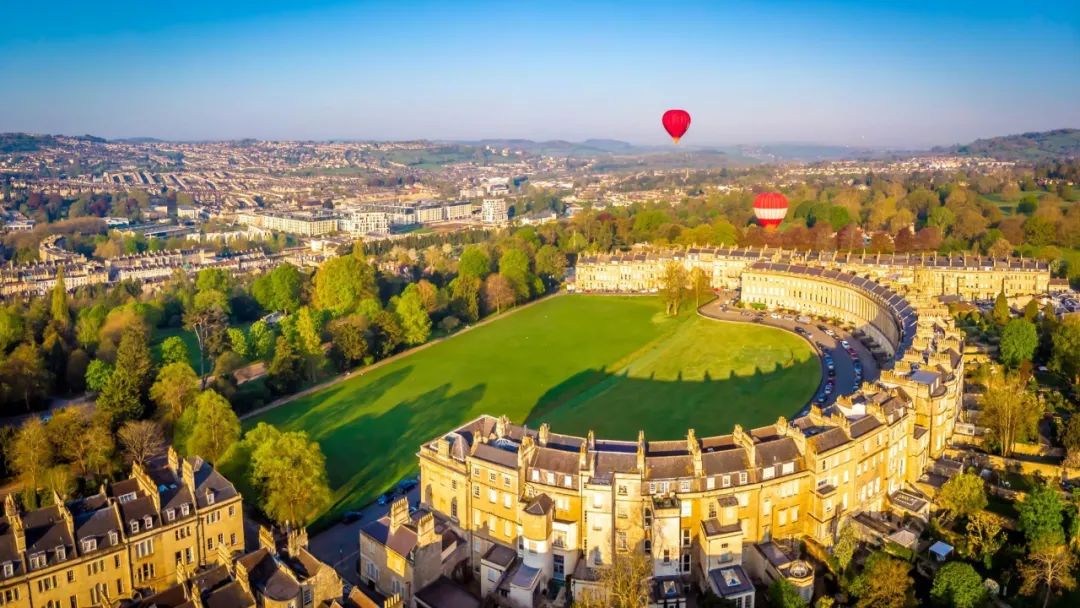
[(770, 209)]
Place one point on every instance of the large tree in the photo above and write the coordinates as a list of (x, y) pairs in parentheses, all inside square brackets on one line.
[(208, 319), (414, 317), (673, 287), (1065, 352), (624, 583), (961, 496), (286, 372), (498, 293), (341, 282), (845, 546), (885, 582), (958, 585), (121, 399), (30, 455), (142, 440), (474, 262), (349, 338), (550, 264), (279, 289), (290, 471), (1048, 568), (984, 536), (1009, 410), (174, 350), (514, 265), (1041, 517), (24, 380), (465, 297), (174, 389), (1018, 342), (216, 426)]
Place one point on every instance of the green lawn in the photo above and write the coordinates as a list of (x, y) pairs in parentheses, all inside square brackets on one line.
[(611, 364)]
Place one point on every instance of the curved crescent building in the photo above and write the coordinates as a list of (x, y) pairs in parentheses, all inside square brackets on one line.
[(535, 513)]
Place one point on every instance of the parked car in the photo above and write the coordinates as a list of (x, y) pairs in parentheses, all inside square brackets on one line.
[(407, 484), (351, 516), (385, 499)]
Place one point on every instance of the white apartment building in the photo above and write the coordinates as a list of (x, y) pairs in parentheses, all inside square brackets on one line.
[(494, 211)]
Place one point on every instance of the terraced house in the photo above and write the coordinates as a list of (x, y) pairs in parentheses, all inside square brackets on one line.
[(131, 536), (930, 274), (541, 513)]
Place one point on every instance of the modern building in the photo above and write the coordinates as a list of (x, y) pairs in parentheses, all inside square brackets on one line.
[(132, 536), (303, 224), (494, 211)]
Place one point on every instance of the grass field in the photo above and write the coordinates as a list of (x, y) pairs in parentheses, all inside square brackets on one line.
[(611, 364)]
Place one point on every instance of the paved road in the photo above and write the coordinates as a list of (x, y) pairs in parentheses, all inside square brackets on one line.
[(339, 544), (845, 370)]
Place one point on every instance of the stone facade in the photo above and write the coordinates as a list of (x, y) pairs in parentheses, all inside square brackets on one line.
[(135, 534), (967, 276), (533, 506)]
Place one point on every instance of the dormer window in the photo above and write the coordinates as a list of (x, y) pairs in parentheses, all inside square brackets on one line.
[(130, 496), (89, 544), (134, 526), (209, 497), (38, 560), (61, 553), (114, 538), (9, 569), (184, 509), (148, 522), (170, 514)]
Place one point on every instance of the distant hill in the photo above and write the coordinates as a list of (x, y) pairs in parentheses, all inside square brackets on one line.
[(1025, 147), (23, 142)]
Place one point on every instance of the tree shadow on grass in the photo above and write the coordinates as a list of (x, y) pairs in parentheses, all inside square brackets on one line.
[(368, 453), (332, 406), (617, 406)]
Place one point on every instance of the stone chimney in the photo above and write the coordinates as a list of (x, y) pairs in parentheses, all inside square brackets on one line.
[(174, 461), (694, 448), (11, 511), (746, 442), (295, 540), (427, 559), (187, 475), (641, 451), (266, 539), (545, 434), (501, 426), (65, 514), (394, 601), (399, 513)]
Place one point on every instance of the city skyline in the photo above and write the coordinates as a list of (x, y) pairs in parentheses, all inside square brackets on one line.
[(900, 76)]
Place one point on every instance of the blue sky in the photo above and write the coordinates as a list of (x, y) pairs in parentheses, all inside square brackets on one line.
[(855, 73)]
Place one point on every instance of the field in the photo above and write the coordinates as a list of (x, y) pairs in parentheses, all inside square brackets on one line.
[(611, 364)]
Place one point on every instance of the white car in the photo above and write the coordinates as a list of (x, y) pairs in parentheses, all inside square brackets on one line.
[(845, 344)]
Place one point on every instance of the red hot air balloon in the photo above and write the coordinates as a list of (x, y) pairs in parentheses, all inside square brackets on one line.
[(676, 122), (770, 209)]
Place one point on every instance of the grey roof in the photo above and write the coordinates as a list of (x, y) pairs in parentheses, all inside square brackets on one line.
[(402, 540), (500, 555), (269, 577), (730, 581), (726, 461), (496, 455), (775, 452), (445, 593), (557, 460), (668, 467)]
